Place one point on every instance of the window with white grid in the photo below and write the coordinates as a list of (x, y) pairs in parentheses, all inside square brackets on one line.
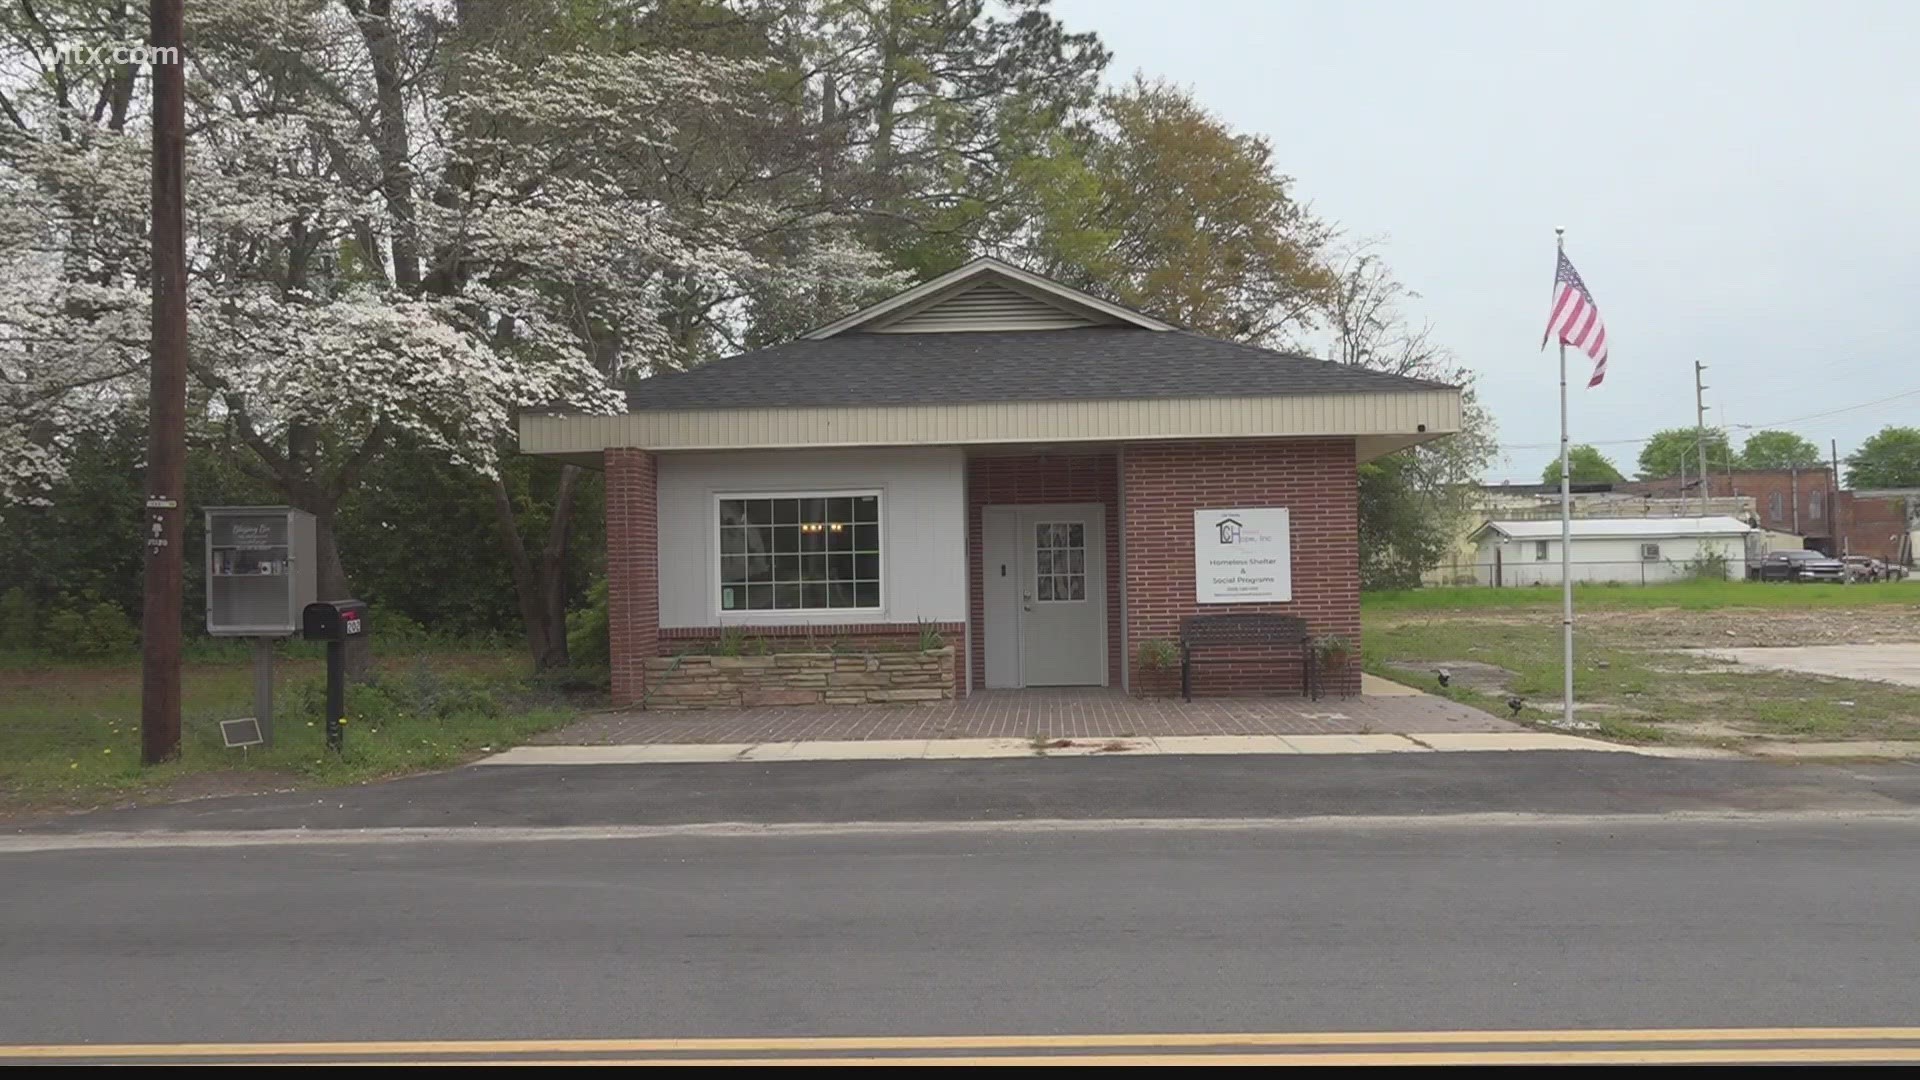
[(800, 553)]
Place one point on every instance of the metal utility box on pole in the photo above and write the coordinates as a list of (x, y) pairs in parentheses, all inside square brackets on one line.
[(261, 575), (165, 526)]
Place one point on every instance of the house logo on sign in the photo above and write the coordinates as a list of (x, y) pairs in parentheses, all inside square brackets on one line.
[(1233, 531)]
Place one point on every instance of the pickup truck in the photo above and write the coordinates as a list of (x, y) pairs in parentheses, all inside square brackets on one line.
[(1799, 566)]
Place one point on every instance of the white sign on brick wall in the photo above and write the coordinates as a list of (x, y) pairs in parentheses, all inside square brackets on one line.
[(1243, 555)]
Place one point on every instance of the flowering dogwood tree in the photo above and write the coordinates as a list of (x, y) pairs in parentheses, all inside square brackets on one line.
[(394, 235), (73, 312)]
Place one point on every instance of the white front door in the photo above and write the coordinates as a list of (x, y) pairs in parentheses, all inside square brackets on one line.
[(1046, 604)]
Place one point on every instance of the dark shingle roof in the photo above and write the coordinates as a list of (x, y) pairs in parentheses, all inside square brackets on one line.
[(1098, 363)]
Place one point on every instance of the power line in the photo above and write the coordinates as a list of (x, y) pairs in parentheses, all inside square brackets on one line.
[(1833, 412), (1740, 427)]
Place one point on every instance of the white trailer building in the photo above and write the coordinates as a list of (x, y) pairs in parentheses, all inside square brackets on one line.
[(1633, 551)]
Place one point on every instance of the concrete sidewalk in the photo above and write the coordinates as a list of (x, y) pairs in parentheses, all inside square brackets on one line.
[(971, 749)]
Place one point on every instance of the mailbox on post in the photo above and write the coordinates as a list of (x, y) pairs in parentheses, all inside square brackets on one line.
[(335, 622)]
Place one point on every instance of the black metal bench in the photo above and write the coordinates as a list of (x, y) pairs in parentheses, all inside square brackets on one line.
[(1246, 628)]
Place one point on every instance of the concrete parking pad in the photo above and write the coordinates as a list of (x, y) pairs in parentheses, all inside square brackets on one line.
[(1890, 662), (1861, 748)]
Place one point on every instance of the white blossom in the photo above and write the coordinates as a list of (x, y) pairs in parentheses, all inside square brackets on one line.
[(561, 224)]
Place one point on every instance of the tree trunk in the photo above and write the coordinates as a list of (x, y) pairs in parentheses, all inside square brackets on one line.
[(540, 585), (553, 558), (394, 142)]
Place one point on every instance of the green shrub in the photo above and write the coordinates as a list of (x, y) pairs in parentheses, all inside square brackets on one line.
[(587, 639), (930, 638), (1158, 654), (573, 678), (19, 621), (1710, 565), (1332, 648), (395, 629), (465, 699), (415, 694), (88, 627)]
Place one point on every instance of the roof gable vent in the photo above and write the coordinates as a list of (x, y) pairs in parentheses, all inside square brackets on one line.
[(988, 305)]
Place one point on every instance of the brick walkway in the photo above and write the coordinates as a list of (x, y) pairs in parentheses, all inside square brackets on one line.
[(1051, 714)]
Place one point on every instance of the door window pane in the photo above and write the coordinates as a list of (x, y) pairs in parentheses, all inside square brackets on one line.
[(1060, 561)]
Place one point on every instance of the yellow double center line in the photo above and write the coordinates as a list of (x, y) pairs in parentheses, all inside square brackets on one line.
[(1510, 1047)]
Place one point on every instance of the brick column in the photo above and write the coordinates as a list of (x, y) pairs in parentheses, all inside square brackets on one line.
[(633, 570), (1315, 479)]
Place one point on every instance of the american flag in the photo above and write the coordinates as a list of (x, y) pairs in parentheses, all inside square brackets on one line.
[(1576, 318)]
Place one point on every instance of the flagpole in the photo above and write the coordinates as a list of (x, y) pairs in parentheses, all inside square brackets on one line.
[(1566, 531)]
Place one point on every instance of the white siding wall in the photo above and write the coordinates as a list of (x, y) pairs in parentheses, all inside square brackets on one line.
[(1603, 559), (1403, 417), (987, 306), (923, 527)]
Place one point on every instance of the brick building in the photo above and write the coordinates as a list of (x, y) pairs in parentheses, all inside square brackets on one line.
[(1046, 480), (1804, 502)]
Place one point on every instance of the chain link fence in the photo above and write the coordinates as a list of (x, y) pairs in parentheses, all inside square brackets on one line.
[(1525, 571)]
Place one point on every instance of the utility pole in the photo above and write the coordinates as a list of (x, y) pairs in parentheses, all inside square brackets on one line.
[(1833, 504), (1700, 434), (1731, 493), (167, 394)]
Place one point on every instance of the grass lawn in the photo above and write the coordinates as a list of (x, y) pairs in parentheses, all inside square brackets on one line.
[(1626, 655), (70, 731), (1684, 595)]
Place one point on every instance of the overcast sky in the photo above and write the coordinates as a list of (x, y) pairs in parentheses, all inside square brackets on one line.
[(1739, 184)]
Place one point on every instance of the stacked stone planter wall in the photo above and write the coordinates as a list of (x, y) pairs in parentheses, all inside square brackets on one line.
[(878, 678)]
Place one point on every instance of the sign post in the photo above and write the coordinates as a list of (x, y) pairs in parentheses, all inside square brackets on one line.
[(263, 687), (261, 568)]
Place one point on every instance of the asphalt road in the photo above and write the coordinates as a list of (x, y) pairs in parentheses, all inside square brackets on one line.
[(1338, 927)]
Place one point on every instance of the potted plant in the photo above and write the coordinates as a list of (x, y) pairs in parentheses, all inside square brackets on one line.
[(1332, 652), (1156, 660)]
